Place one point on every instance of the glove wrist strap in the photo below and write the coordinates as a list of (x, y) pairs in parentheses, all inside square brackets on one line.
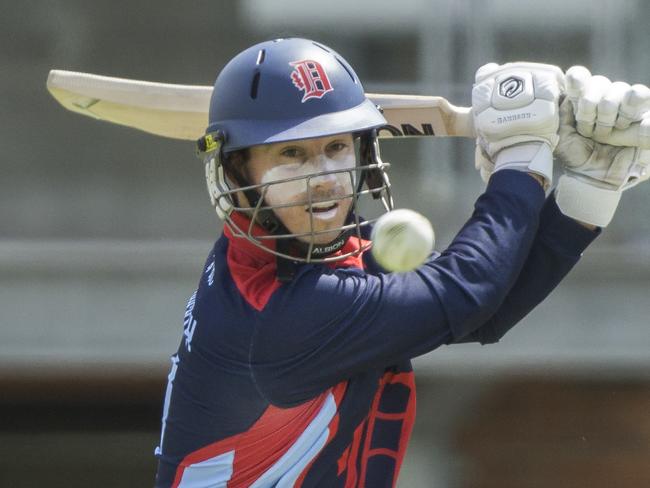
[(580, 200), (532, 157)]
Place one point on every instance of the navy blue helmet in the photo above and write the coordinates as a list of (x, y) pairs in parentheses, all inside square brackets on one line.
[(288, 89)]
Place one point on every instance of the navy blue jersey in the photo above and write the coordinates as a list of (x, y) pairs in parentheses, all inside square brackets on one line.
[(309, 382)]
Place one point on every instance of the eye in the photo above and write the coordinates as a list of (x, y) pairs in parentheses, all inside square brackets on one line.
[(337, 146), (290, 152)]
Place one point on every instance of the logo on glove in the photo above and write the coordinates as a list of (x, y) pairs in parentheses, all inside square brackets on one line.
[(511, 87)]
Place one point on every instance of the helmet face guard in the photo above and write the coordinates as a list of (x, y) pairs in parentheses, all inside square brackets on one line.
[(288, 90), (366, 180)]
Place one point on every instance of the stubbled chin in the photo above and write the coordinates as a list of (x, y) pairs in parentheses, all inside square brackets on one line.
[(325, 238), (334, 223)]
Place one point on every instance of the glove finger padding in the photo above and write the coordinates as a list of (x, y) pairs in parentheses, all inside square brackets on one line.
[(486, 70), (609, 108), (634, 106), (576, 78), (515, 109), (609, 113), (610, 166), (596, 174), (600, 104), (573, 149), (586, 111)]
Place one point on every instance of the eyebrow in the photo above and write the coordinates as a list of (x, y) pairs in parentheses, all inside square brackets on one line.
[(290, 144)]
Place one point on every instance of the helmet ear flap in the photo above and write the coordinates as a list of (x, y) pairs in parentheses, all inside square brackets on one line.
[(224, 179), (220, 194), (209, 149), (211, 180)]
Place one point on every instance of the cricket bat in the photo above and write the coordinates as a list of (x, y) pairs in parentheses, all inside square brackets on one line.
[(181, 111)]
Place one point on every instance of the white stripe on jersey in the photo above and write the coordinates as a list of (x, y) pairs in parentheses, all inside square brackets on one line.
[(287, 469), (211, 473), (168, 396)]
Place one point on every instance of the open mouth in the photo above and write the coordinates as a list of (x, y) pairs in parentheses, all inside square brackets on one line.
[(323, 210)]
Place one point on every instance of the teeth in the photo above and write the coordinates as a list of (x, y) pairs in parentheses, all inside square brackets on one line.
[(327, 213), (320, 205)]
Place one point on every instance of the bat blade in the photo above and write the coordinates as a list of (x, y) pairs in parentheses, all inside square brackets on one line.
[(175, 111), (181, 111)]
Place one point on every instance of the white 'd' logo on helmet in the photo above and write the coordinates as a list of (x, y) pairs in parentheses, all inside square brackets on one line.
[(309, 75)]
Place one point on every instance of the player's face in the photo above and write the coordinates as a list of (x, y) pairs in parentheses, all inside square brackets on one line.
[(329, 193)]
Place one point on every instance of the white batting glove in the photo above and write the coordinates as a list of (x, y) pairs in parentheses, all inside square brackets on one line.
[(515, 109), (483, 163), (604, 145)]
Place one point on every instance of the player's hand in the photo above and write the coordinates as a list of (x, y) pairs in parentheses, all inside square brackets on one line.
[(604, 145), (515, 108)]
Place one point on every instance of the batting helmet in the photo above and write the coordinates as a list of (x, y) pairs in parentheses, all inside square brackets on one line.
[(286, 90)]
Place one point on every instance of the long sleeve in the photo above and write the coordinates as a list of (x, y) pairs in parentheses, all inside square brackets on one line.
[(325, 327), (270, 375), (558, 246)]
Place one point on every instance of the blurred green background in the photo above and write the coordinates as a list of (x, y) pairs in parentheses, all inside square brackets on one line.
[(104, 230)]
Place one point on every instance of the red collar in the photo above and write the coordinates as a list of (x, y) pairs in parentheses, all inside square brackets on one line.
[(262, 256), (243, 244), (254, 270)]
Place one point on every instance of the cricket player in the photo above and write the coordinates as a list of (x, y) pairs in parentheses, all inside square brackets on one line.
[(294, 366)]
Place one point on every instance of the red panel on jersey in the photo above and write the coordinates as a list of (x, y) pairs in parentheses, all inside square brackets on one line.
[(254, 270), (261, 446)]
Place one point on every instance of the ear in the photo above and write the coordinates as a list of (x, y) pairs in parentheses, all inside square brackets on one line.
[(236, 170), (235, 166)]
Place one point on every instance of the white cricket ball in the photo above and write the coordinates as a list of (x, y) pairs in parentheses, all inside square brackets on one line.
[(402, 240)]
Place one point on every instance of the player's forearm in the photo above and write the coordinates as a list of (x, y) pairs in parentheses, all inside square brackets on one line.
[(557, 249), (366, 321), (484, 262)]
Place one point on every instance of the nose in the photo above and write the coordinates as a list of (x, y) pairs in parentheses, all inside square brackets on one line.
[(328, 180)]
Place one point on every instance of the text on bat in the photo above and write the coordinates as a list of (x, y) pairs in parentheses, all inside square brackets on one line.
[(407, 130)]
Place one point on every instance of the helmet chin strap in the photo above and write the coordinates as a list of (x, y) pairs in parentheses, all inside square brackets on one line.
[(286, 269)]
